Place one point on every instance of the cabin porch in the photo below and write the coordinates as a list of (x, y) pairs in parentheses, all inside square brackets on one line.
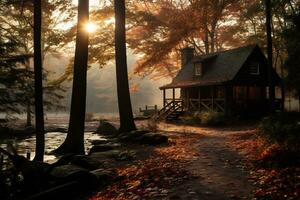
[(232, 100)]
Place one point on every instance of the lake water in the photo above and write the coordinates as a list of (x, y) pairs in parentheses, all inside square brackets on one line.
[(52, 141), (55, 139)]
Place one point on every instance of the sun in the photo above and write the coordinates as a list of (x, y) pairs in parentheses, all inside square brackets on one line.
[(90, 27)]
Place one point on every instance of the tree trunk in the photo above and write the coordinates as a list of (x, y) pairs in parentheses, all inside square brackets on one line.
[(125, 109), (270, 55), (38, 83), (299, 101), (74, 142), (206, 40), (28, 114)]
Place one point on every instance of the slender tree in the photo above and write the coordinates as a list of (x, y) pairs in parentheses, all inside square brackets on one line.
[(124, 102), (38, 83), (74, 142), (268, 11)]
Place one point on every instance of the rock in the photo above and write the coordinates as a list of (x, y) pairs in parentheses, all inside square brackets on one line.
[(153, 139), (86, 162), (68, 173), (56, 129), (132, 135), (97, 142), (106, 128), (107, 154), (104, 177), (102, 148), (113, 154), (126, 155)]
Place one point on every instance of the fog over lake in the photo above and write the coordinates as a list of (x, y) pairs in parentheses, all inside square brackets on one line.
[(101, 86)]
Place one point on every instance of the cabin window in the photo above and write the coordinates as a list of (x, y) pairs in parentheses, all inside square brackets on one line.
[(198, 69), (254, 68)]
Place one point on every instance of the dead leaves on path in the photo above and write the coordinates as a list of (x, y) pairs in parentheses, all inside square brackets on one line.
[(271, 183), (152, 178), (278, 184)]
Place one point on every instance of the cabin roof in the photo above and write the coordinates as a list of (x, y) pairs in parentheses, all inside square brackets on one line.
[(220, 67)]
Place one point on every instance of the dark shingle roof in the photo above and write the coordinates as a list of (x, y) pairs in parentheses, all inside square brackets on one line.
[(221, 67)]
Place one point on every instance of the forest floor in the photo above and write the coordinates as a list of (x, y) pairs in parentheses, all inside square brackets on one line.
[(199, 163)]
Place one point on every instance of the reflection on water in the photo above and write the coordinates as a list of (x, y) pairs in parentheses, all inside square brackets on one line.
[(52, 141)]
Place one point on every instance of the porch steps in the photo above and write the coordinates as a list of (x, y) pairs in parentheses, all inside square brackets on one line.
[(171, 111), (174, 115)]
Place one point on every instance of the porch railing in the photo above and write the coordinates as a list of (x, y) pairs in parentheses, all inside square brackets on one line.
[(217, 104)]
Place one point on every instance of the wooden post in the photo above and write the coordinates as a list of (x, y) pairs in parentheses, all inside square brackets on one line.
[(173, 98), (187, 99), (199, 99), (228, 100), (212, 97), (173, 94), (1, 161), (247, 97), (28, 155), (282, 96), (164, 97)]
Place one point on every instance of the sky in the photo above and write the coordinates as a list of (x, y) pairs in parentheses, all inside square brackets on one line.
[(101, 85)]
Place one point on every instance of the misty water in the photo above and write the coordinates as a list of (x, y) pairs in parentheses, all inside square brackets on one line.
[(52, 141), (55, 139)]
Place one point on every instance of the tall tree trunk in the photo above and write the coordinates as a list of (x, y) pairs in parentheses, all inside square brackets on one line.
[(270, 55), (125, 109), (38, 83), (298, 101), (206, 40), (28, 103), (74, 142), (28, 114)]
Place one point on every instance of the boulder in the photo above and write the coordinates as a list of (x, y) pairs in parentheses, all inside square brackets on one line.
[(132, 135), (104, 155), (97, 142), (153, 139), (126, 155), (69, 173), (104, 177), (103, 147), (56, 129), (86, 162), (115, 155), (106, 128)]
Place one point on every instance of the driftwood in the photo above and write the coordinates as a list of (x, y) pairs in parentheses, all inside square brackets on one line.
[(34, 173), (64, 191), (46, 181)]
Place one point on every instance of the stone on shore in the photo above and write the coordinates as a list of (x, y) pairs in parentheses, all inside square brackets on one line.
[(104, 176), (86, 162), (106, 128), (68, 173), (153, 139), (103, 147), (132, 135)]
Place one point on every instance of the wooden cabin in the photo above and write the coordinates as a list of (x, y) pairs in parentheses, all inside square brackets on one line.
[(234, 82)]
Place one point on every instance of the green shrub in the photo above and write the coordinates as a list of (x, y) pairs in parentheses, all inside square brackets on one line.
[(283, 128), (210, 118)]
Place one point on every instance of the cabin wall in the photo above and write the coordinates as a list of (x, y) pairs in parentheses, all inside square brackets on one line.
[(230, 99), (208, 98), (244, 77)]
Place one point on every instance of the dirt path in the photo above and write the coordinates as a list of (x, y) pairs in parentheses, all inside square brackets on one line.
[(219, 170)]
